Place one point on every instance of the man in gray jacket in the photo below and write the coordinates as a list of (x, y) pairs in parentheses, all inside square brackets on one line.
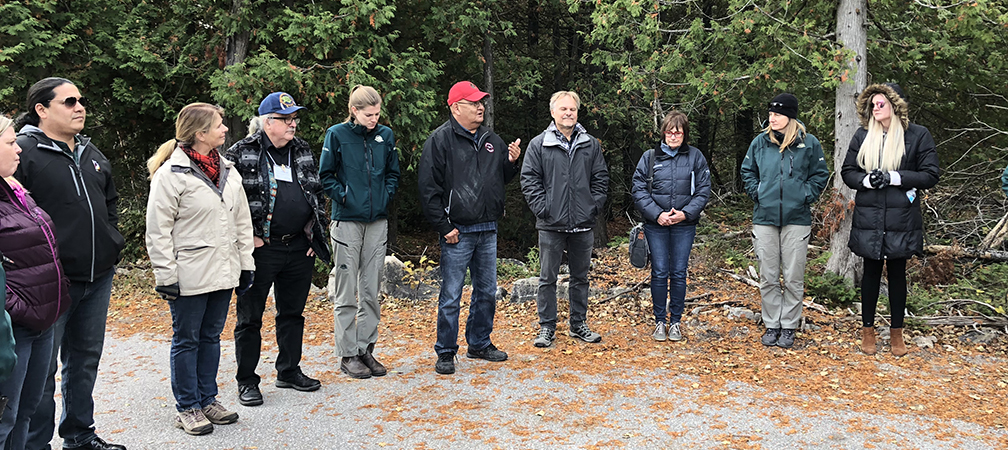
[(565, 181)]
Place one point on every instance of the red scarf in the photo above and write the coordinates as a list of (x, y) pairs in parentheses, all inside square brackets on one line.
[(210, 164)]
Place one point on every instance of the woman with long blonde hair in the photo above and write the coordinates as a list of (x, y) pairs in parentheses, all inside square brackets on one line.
[(888, 162), (199, 238)]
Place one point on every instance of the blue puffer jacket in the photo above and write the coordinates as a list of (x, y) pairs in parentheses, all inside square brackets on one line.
[(681, 182)]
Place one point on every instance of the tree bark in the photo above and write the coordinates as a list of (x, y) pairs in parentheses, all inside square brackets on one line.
[(488, 113), (743, 136), (852, 34), (236, 49)]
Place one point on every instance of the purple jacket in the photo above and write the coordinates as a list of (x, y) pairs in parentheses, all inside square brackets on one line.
[(37, 289)]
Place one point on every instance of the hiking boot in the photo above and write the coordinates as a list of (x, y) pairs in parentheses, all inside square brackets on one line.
[(445, 364), (249, 395), (659, 332), (377, 369), (193, 421), (786, 339), (489, 353), (581, 331), (353, 366), (770, 337), (217, 414), (546, 337), (673, 332), (299, 381), (868, 340)]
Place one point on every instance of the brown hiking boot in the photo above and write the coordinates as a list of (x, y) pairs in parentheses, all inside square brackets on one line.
[(354, 367), (193, 421), (896, 341), (217, 414), (868, 340)]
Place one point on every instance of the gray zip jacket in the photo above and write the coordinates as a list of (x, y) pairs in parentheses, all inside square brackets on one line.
[(565, 192)]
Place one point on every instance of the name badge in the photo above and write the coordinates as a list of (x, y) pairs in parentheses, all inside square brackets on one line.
[(283, 173)]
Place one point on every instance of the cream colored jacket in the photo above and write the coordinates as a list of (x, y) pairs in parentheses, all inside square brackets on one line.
[(198, 234)]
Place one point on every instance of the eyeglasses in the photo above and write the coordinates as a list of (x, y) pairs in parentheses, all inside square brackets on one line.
[(287, 120), (879, 104), (775, 105), (474, 104), (71, 102), (674, 133)]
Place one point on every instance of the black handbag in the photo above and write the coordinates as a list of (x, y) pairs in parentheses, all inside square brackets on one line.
[(640, 253)]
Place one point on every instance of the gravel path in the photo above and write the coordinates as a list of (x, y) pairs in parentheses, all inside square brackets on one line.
[(526, 402)]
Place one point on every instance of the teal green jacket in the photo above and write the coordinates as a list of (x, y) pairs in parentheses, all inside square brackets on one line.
[(359, 171), (784, 184)]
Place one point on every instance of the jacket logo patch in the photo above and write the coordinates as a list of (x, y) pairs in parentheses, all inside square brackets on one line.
[(489, 147), (378, 139), (97, 167)]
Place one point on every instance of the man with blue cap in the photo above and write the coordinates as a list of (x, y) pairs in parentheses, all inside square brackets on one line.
[(280, 177)]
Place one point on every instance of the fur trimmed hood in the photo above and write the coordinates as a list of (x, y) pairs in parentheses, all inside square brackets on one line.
[(901, 108)]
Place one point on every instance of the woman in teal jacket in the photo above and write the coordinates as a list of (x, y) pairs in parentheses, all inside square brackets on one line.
[(784, 172), (359, 170)]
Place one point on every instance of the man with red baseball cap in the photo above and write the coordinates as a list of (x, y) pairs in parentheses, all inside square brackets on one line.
[(463, 170)]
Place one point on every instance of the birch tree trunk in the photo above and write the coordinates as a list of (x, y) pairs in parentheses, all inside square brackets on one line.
[(852, 34), (488, 63)]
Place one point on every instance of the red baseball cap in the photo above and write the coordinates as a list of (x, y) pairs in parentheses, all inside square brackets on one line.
[(465, 90)]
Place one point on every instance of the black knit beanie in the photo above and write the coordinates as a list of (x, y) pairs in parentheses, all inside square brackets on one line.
[(785, 104)]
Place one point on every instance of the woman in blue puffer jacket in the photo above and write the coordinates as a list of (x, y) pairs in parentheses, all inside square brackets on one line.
[(784, 172), (671, 187)]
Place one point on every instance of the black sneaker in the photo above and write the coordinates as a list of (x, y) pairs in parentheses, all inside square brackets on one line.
[(299, 381), (445, 364), (581, 331), (786, 338), (249, 395), (769, 338), (490, 353)]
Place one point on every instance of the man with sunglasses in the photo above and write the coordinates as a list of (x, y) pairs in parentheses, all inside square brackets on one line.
[(565, 181), (72, 181), (280, 177), (462, 172)]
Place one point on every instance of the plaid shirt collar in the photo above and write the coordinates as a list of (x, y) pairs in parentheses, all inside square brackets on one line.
[(564, 142)]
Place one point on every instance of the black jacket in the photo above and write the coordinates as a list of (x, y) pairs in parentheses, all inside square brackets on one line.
[(462, 181), (79, 196), (887, 223), (250, 160), (564, 192)]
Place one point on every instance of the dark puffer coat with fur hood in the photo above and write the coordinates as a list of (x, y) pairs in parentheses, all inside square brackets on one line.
[(887, 222)]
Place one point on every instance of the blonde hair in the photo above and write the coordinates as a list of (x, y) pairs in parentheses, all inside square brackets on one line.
[(560, 94), (882, 150), (5, 123), (361, 97), (792, 130), (194, 118)]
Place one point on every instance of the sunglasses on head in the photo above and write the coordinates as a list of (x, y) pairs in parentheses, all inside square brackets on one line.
[(775, 105), (71, 102)]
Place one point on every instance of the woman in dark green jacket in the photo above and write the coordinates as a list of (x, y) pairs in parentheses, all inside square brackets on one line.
[(359, 170), (784, 172)]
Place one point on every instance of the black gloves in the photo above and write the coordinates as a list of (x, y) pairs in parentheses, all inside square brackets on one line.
[(244, 282), (878, 179), (170, 292)]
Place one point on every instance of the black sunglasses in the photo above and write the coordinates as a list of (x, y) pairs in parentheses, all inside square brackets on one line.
[(70, 102)]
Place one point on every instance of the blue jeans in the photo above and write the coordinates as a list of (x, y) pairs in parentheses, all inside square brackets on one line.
[(25, 385), (78, 338), (670, 250), (197, 322), (478, 253)]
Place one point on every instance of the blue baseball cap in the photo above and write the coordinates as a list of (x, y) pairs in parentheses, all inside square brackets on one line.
[(280, 103)]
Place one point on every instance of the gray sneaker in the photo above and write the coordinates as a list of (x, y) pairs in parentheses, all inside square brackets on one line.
[(217, 414), (193, 421), (770, 337), (581, 331), (786, 339), (673, 332), (546, 337), (659, 332)]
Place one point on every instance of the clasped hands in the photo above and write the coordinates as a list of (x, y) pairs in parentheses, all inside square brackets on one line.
[(671, 217)]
